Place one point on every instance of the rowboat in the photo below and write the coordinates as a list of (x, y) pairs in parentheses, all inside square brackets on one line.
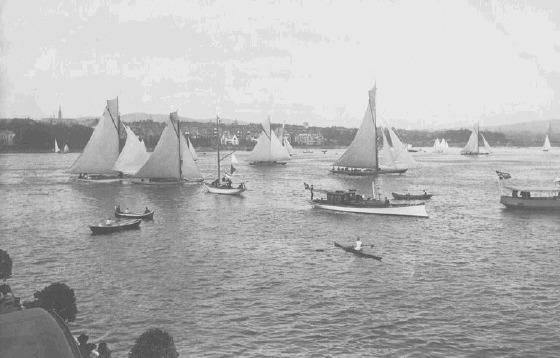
[(146, 215), (108, 226), (408, 196), (357, 252)]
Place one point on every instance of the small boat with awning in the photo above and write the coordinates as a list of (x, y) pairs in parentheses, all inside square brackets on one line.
[(109, 226), (524, 197)]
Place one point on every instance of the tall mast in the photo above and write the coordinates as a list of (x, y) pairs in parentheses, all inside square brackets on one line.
[(179, 141), (372, 109), (218, 144)]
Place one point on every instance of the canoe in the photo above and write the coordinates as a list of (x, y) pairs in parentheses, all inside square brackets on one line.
[(145, 215), (408, 196), (357, 253), (108, 226)]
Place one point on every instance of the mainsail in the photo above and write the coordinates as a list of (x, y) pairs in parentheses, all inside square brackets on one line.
[(66, 149), (472, 145), (102, 149), (268, 147), (133, 156), (362, 152), (56, 149)]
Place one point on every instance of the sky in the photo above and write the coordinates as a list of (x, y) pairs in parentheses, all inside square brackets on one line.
[(436, 64)]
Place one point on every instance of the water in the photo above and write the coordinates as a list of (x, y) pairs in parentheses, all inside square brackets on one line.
[(231, 276)]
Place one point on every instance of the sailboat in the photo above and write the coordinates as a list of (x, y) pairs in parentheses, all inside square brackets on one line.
[(362, 157), (102, 150), (56, 149), (133, 156), (66, 149), (269, 149), (171, 162), (472, 147), (546, 147), (225, 185)]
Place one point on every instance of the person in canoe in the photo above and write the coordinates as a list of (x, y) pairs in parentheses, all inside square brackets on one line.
[(358, 246), (147, 210)]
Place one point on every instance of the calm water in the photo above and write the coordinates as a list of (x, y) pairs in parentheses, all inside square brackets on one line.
[(231, 276)]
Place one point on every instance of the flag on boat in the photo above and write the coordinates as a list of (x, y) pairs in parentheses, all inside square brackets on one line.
[(503, 175), (232, 169), (306, 186)]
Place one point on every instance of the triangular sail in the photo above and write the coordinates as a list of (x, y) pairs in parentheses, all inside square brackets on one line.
[(362, 152), (403, 159), (192, 150), (102, 149), (189, 169), (288, 146), (164, 161), (234, 159), (56, 149), (487, 148), (133, 156), (66, 149), (546, 145), (436, 147), (386, 159), (472, 144)]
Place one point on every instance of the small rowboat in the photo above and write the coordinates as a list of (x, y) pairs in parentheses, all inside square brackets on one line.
[(408, 196), (108, 226), (356, 252), (146, 215)]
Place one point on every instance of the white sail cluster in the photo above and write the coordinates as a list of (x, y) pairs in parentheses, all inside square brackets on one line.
[(268, 149), (440, 146)]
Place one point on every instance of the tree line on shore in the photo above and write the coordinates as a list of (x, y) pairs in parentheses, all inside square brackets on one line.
[(39, 136)]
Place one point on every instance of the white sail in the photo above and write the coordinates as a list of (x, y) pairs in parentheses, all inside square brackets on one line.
[(386, 159), (234, 159), (285, 142), (362, 152), (164, 161), (192, 150), (133, 156), (437, 146), (189, 169), (472, 145), (66, 149), (444, 145), (288, 146), (56, 149), (546, 145), (268, 147), (487, 148), (102, 149), (403, 159)]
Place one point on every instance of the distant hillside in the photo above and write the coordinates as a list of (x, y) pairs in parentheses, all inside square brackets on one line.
[(137, 117), (534, 127)]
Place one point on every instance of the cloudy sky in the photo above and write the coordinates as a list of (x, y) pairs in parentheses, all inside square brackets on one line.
[(436, 64)]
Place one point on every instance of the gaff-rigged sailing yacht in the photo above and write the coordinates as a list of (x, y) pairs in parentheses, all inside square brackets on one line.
[(268, 150), (472, 147), (171, 162), (362, 157), (223, 185), (102, 150)]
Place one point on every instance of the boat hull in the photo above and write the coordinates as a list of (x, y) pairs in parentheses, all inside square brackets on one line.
[(145, 216), (407, 196), (394, 210), (226, 191), (102, 228), (481, 153), (267, 164), (356, 252), (368, 172), (551, 203)]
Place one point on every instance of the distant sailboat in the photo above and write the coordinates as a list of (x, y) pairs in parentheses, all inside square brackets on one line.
[(472, 147), (102, 150), (56, 149), (362, 157), (133, 156), (171, 162), (546, 147), (66, 149), (436, 148), (269, 149)]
